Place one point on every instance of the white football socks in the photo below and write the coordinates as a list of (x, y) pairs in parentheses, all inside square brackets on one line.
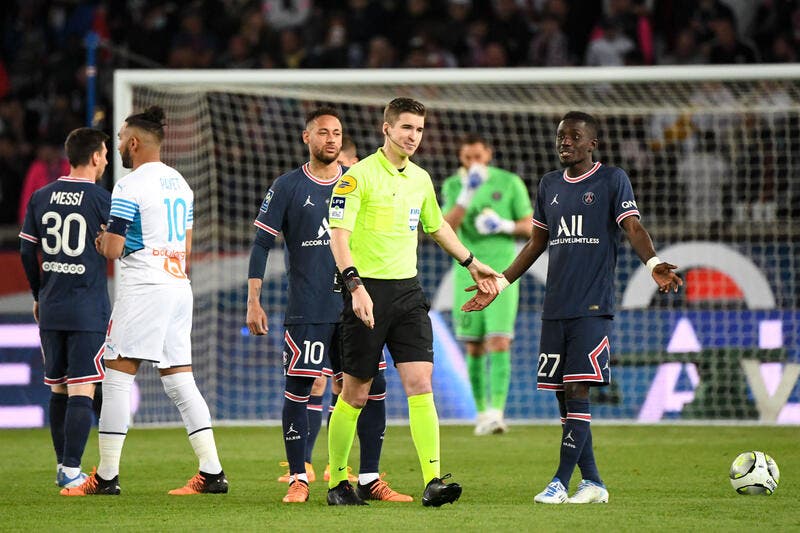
[(183, 391), (114, 420)]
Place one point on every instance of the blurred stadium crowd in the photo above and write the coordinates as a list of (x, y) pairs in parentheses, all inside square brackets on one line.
[(42, 61)]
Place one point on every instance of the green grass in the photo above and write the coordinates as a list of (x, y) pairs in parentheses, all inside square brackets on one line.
[(659, 478)]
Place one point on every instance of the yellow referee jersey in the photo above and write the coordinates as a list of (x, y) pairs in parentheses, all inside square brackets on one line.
[(383, 207)]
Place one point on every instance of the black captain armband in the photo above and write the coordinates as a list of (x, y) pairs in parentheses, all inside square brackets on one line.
[(468, 261), (118, 226), (351, 278)]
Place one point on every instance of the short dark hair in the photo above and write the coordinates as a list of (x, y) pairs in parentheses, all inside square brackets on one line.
[(473, 138), (81, 143), (586, 118), (348, 143), (314, 114), (150, 120), (402, 105)]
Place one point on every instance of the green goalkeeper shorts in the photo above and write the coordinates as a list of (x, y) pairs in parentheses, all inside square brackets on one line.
[(497, 320)]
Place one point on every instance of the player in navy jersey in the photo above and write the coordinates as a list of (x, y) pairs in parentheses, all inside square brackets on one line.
[(579, 214), (70, 295), (297, 206)]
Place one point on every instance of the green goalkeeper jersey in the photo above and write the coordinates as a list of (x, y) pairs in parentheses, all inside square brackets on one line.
[(506, 194)]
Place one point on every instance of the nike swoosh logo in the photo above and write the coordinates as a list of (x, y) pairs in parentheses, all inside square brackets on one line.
[(342, 468), (433, 460)]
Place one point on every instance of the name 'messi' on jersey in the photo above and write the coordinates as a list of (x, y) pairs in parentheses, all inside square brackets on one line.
[(66, 198)]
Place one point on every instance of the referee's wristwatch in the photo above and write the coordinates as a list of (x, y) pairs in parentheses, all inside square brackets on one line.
[(468, 261), (351, 278)]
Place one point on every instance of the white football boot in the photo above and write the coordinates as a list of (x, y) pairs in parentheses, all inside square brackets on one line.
[(553, 493), (589, 492)]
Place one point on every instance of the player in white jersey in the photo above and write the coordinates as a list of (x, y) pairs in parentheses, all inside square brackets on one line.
[(150, 231)]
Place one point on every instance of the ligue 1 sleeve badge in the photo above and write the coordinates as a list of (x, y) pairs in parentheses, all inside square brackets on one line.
[(345, 185), (588, 198)]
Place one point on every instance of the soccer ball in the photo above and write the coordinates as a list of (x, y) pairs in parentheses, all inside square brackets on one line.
[(754, 473)]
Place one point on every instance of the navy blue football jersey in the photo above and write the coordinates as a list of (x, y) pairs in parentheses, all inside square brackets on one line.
[(297, 206), (583, 217), (63, 219)]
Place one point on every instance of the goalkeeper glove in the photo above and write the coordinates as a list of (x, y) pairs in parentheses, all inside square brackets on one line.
[(471, 180), (489, 223)]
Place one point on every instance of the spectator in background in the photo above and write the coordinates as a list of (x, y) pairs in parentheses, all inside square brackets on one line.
[(454, 30), (150, 35), (199, 45), (292, 49), (510, 25), (49, 165), (238, 54), (381, 53), (704, 15), (685, 51), (332, 52), (549, 45), (782, 50), (611, 49), (12, 173), (727, 48), (495, 56)]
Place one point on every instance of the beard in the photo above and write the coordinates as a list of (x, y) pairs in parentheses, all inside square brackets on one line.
[(323, 157), (127, 160)]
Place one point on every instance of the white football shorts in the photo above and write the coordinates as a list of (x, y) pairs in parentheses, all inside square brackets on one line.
[(152, 323)]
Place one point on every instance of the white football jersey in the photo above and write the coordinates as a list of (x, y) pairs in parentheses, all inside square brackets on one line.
[(160, 205)]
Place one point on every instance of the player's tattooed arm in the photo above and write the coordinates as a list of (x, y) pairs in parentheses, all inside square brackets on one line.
[(256, 317)]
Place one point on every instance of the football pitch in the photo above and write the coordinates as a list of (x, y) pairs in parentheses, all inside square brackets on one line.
[(660, 478)]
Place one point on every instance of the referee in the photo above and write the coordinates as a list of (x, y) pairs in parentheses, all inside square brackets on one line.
[(374, 213)]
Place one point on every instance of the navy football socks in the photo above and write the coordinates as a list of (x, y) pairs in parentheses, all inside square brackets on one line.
[(77, 424)]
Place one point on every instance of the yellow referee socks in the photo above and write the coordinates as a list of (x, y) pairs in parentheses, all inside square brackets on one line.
[(341, 432), (424, 424)]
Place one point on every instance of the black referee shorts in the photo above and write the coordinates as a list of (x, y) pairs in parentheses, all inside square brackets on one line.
[(401, 310)]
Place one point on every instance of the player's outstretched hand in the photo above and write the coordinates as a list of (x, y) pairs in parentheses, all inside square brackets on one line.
[(665, 277), (485, 276), (256, 319), (362, 306), (478, 302)]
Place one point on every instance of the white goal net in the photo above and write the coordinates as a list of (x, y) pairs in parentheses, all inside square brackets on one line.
[(711, 152)]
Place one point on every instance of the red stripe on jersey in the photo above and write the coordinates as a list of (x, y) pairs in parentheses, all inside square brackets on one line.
[(266, 228), (539, 224), (593, 355), (320, 181), (58, 381), (382, 365), (582, 176), (75, 179), (27, 237), (626, 214)]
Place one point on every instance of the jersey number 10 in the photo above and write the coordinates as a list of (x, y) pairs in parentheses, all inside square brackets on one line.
[(176, 219)]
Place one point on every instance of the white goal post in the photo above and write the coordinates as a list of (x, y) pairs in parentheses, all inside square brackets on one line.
[(711, 154)]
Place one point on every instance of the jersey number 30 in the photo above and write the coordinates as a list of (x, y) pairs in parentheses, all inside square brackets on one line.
[(61, 231)]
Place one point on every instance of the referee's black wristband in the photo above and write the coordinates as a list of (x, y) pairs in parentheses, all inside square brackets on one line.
[(468, 261), (349, 272)]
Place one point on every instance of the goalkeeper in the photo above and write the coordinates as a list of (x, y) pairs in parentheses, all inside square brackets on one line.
[(488, 207)]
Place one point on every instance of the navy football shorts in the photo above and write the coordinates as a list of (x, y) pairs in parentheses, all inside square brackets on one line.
[(575, 349), (307, 349), (72, 357)]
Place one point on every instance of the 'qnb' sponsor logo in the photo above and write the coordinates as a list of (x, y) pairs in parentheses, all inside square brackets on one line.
[(628, 204), (63, 268)]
